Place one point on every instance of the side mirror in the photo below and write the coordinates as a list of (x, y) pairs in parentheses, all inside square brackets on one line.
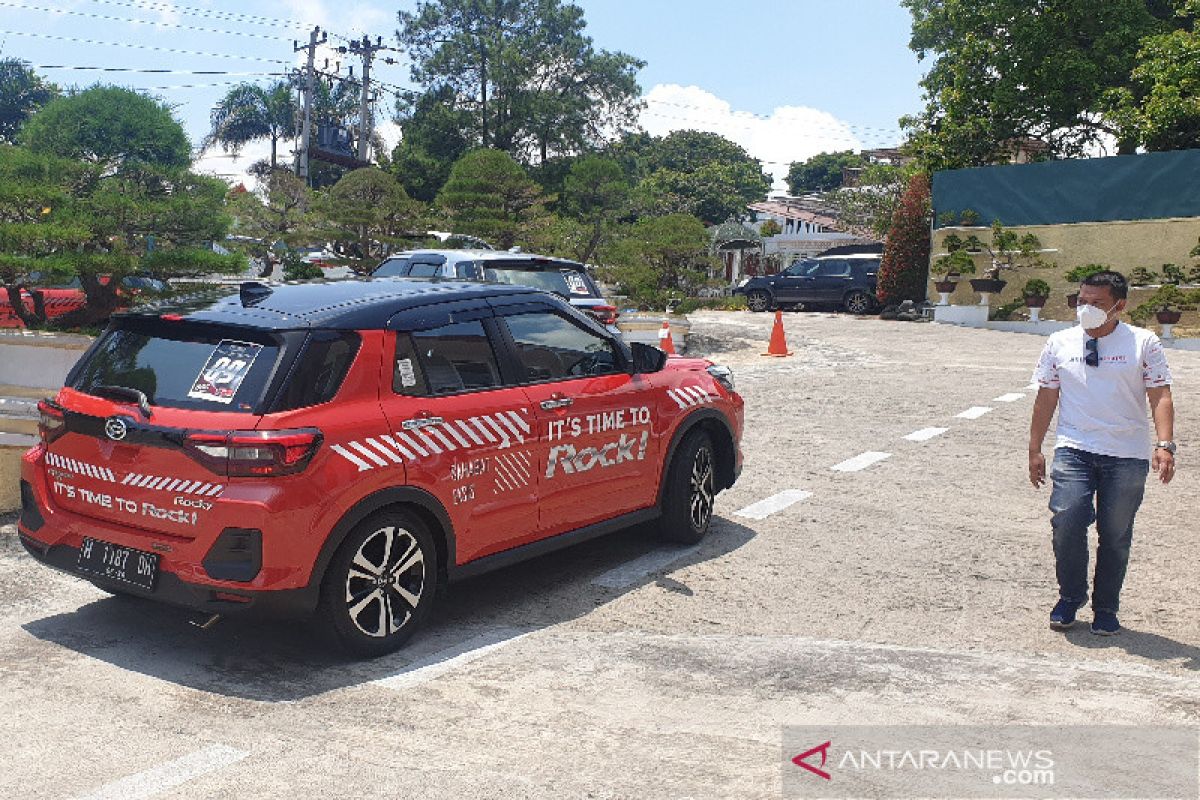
[(647, 358)]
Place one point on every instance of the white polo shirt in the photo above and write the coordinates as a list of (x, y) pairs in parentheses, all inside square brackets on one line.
[(1103, 409)]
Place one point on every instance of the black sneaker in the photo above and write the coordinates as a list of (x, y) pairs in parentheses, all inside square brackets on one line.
[(1063, 615), (1105, 624)]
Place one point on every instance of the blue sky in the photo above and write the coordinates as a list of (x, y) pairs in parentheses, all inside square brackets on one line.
[(785, 78)]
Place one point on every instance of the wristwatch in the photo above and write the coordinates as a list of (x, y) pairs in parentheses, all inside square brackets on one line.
[(1168, 446)]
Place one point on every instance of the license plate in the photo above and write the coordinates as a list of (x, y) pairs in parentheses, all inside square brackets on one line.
[(119, 563)]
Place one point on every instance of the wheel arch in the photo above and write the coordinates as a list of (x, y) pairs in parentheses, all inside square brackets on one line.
[(409, 498), (720, 432)]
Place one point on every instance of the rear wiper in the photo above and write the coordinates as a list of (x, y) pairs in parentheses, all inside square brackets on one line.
[(125, 393)]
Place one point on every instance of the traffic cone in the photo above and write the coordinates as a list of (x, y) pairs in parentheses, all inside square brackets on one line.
[(778, 345), (664, 339)]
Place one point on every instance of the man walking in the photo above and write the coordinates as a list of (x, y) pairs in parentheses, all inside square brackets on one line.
[(1099, 376)]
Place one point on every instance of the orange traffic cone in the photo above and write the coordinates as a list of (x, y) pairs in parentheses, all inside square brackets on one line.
[(665, 342), (778, 345)]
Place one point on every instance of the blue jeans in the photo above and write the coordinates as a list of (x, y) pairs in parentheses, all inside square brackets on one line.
[(1093, 488)]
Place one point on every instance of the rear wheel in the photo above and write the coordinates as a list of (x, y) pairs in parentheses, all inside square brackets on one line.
[(857, 302), (380, 586), (758, 300), (690, 491)]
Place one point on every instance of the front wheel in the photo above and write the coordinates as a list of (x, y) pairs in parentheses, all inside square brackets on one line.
[(691, 491), (380, 586), (758, 301), (857, 303)]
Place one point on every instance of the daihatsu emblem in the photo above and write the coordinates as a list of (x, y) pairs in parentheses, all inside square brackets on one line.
[(115, 428)]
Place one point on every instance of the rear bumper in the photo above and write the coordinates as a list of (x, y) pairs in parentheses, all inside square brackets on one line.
[(279, 603)]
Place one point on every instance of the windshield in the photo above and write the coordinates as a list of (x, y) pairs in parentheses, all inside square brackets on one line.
[(567, 282), (392, 268)]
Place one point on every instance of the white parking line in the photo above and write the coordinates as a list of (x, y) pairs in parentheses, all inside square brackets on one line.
[(925, 434), (168, 776), (1011, 397), (1033, 387), (631, 572), (773, 504), (861, 461), (974, 412), (443, 661)]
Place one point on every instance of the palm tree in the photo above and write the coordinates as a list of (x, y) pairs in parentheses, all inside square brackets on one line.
[(249, 112)]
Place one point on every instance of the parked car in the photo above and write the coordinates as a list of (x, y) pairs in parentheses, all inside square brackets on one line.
[(843, 281), (344, 448), (570, 279), (64, 297)]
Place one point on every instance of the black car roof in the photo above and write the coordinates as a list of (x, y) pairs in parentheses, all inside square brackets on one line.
[(359, 304)]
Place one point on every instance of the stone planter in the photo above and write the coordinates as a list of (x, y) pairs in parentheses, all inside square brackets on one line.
[(1168, 317), (987, 287), (944, 288), (1035, 304), (1073, 300)]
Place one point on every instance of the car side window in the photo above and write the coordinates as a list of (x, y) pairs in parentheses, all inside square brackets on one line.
[(797, 269), (467, 270), (833, 269), (423, 269), (392, 268), (453, 358), (551, 347)]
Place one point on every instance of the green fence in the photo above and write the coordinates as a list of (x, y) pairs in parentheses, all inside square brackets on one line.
[(1149, 186)]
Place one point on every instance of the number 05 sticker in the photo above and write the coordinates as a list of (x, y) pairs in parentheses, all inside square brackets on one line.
[(224, 371)]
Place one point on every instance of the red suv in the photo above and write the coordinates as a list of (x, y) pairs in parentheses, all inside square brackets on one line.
[(344, 448)]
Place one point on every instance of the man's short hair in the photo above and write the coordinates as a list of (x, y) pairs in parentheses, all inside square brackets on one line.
[(1115, 281)]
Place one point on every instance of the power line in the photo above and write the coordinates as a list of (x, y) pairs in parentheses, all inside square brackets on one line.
[(75, 40), (128, 20), (192, 11), (154, 71)]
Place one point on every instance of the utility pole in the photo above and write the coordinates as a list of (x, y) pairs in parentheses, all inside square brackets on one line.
[(365, 50), (306, 131)]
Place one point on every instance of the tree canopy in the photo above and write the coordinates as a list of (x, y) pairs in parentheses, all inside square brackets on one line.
[(822, 172), (531, 80), (109, 126), (1009, 69), (364, 214), (490, 196), (249, 112), (22, 92)]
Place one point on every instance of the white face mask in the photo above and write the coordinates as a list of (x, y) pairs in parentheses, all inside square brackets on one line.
[(1091, 317)]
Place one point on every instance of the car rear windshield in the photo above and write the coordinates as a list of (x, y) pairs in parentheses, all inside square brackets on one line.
[(183, 365), (565, 281), (392, 268)]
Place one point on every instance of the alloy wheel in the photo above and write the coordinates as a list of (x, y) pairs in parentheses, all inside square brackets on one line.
[(702, 492), (758, 301), (858, 303), (385, 581)]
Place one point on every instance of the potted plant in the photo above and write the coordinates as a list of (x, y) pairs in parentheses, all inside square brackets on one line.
[(1035, 293), (951, 266), (1079, 275), (1007, 250)]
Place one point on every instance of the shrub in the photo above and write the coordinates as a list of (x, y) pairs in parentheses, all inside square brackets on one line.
[(1078, 274), (732, 303), (902, 274), (1140, 276), (1036, 287), (1004, 312)]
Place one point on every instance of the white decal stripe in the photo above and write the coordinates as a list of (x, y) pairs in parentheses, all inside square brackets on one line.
[(524, 456), (111, 475), (466, 428), (675, 396), (186, 487), (500, 479), (452, 428), (503, 417), (142, 480), (427, 440), (216, 490), (482, 429), (698, 395), (173, 485), (520, 420), (399, 447), (361, 448), (518, 465), (392, 456), (503, 471), (130, 478), (411, 442), (504, 440), (436, 430), (353, 459)]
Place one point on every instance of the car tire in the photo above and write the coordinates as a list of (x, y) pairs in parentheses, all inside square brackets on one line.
[(758, 300), (690, 490), (380, 586), (857, 302)]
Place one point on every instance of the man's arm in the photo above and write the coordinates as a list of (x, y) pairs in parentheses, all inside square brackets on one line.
[(1162, 408), (1043, 412)]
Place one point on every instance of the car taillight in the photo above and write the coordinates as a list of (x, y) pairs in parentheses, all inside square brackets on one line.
[(51, 421), (607, 315), (254, 454)]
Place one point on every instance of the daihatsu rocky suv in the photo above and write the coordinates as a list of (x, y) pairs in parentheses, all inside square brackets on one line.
[(343, 448)]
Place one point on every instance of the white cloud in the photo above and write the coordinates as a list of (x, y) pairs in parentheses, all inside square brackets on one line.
[(790, 133), (215, 161)]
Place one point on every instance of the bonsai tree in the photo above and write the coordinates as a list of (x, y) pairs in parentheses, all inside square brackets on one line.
[(1035, 289), (958, 260), (1081, 273), (1007, 250), (1173, 274), (1140, 276)]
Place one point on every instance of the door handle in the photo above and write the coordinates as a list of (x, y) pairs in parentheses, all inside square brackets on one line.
[(420, 422), (556, 401)]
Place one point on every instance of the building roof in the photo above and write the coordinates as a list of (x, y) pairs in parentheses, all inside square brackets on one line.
[(733, 235), (789, 211)]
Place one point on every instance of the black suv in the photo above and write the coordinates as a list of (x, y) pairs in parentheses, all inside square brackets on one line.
[(846, 282)]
